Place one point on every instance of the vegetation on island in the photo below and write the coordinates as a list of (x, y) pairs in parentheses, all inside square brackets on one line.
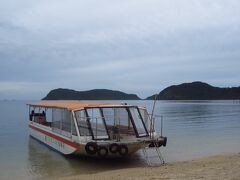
[(95, 94), (197, 91), (186, 91)]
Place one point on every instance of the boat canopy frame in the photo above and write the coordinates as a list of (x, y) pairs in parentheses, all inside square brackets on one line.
[(99, 106), (127, 107)]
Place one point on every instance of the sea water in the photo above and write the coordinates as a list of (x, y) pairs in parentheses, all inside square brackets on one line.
[(194, 129)]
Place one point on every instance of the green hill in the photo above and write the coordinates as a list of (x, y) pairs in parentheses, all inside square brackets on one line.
[(96, 94), (197, 91)]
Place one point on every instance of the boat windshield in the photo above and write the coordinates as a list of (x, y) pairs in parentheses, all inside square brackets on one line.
[(110, 122)]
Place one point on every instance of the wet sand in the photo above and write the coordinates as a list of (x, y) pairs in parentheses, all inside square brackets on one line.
[(214, 167)]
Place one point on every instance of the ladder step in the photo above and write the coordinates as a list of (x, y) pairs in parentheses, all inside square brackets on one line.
[(159, 155)]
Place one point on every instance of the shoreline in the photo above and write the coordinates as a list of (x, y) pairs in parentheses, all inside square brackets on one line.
[(226, 166)]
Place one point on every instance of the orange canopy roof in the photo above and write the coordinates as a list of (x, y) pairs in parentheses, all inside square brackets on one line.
[(70, 105)]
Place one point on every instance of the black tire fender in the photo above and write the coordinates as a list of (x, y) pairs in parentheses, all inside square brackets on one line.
[(114, 148), (123, 150), (102, 151), (151, 145), (91, 148), (165, 141)]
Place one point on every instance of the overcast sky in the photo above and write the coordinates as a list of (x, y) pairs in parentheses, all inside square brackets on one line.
[(136, 46)]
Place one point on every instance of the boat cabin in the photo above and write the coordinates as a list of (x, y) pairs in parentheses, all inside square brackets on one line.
[(91, 120)]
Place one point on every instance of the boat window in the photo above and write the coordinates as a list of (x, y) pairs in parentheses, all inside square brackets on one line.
[(66, 121), (61, 121), (118, 122), (57, 116), (39, 116), (74, 131), (145, 117), (97, 123), (82, 123), (138, 121), (110, 122)]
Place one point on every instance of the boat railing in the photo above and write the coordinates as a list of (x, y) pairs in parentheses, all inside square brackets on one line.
[(152, 124)]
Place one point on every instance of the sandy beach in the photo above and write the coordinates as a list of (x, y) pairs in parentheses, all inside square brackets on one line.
[(214, 167)]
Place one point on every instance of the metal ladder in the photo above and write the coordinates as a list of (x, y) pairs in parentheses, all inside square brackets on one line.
[(147, 157)]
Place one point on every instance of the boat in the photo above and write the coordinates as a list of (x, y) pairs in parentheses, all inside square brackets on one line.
[(97, 129)]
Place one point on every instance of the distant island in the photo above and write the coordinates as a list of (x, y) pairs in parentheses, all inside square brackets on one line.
[(187, 91), (197, 91), (96, 94)]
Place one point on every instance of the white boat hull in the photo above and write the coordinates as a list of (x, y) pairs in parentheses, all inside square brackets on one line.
[(63, 145), (67, 146)]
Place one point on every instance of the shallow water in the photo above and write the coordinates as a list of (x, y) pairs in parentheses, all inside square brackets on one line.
[(194, 129)]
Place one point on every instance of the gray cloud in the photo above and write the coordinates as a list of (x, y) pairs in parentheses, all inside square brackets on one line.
[(134, 46)]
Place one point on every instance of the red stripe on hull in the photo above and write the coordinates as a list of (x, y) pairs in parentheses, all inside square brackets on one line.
[(65, 141)]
